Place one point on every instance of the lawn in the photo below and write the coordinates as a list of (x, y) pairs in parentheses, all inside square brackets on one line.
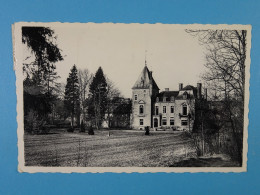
[(123, 148)]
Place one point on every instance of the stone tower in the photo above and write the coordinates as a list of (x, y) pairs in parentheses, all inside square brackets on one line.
[(144, 94)]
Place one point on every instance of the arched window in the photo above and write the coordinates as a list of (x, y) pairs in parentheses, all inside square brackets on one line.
[(184, 110), (141, 109)]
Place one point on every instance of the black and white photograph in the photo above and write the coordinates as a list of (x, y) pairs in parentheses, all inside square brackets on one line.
[(106, 97)]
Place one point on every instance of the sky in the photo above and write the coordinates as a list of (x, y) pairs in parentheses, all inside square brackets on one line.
[(173, 55)]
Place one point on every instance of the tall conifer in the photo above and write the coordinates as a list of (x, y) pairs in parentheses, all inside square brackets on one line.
[(98, 97), (72, 94)]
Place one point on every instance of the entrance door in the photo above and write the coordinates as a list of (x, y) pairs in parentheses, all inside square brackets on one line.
[(155, 122)]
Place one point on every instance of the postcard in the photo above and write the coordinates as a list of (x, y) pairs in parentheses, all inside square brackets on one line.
[(113, 97)]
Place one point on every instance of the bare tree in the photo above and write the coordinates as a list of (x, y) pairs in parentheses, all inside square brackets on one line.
[(225, 75), (85, 78), (225, 59), (113, 94)]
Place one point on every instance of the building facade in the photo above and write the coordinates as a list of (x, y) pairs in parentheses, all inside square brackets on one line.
[(163, 110)]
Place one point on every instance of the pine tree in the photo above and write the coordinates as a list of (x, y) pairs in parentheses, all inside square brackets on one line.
[(98, 97), (41, 42), (72, 94), (40, 81)]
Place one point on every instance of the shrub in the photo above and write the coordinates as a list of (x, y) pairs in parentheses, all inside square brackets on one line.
[(90, 131), (34, 124), (70, 129), (82, 127), (147, 131)]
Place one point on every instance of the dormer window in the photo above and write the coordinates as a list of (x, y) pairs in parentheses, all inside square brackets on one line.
[(185, 95), (135, 97), (172, 99), (157, 99), (164, 99)]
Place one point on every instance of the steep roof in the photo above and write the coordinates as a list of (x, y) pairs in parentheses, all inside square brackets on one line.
[(144, 80), (189, 87), (167, 94)]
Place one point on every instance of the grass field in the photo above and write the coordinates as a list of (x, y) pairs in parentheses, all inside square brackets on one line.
[(123, 148)]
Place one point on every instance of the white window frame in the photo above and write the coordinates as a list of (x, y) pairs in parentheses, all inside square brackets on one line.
[(172, 109), (164, 120), (156, 110), (172, 119), (164, 109), (182, 121), (183, 106), (141, 121), (141, 107)]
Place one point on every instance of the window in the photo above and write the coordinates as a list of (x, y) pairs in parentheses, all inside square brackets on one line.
[(172, 121), (135, 97), (164, 99), (184, 122), (141, 109), (185, 96), (157, 99), (164, 109), (172, 109), (156, 110), (164, 121), (184, 110), (141, 121), (172, 99)]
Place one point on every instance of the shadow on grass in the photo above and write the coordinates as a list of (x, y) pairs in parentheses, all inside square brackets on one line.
[(205, 162)]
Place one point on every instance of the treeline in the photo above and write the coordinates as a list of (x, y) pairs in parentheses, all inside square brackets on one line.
[(40, 88), (94, 101), (85, 101), (219, 122)]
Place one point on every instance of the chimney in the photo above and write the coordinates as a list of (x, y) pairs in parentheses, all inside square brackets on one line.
[(166, 89), (205, 94), (180, 86), (198, 90)]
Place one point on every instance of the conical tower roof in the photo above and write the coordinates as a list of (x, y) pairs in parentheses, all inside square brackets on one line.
[(144, 80)]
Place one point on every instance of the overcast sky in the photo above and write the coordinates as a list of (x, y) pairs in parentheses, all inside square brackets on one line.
[(173, 55)]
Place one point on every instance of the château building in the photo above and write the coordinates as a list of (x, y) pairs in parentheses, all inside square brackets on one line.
[(166, 109)]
